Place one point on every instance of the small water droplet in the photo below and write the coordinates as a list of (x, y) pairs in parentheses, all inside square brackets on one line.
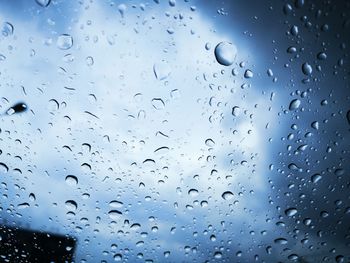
[(122, 9), (161, 70), (64, 41), (158, 103), (7, 29), (236, 111), (118, 257), (225, 53)]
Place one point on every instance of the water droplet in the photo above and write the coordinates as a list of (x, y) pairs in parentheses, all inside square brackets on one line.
[(225, 53), (32, 197), (322, 56), (3, 168), (209, 142), (115, 204), (227, 195), (114, 214), (71, 180), (193, 192), (293, 257), (248, 74), (43, 3), (281, 241), (118, 257), (64, 41), (7, 29), (339, 172), (306, 68), (294, 104), (315, 178), (23, 205), (122, 9), (89, 61), (158, 103), (294, 30), (236, 111), (348, 116), (17, 108), (291, 211), (71, 205), (172, 2), (315, 125), (217, 255), (161, 70)]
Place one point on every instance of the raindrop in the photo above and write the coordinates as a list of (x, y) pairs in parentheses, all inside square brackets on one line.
[(118, 257), (114, 214), (7, 29), (291, 211), (193, 192), (306, 68), (3, 168), (322, 56), (71, 180), (17, 108), (23, 205), (89, 61), (115, 204), (122, 9), (209, 142), (43, 3), (158, 103), (248, 74), (281, 241), (348, 116), (315, 178), (217, 255), (227, 195), (71, 205), (64, 41), (161, 70), (294, 104), (315, 125), (236, 111), (225, 53)]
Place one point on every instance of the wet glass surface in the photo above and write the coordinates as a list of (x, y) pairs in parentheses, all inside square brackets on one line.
[(177, 131)]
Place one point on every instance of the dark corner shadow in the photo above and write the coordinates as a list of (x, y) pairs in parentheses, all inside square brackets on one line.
[(22, 245)]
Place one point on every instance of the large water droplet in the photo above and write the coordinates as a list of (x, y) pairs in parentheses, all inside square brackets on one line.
[(193, 192), (115, 204), (3, 168), (227, 195), (306, 68), (291, 211), (23, 205), (114, 214), (71, 205), (71, 180), (294, 104), (64, 41), (225, 53), (43, 3), (17, 108)]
